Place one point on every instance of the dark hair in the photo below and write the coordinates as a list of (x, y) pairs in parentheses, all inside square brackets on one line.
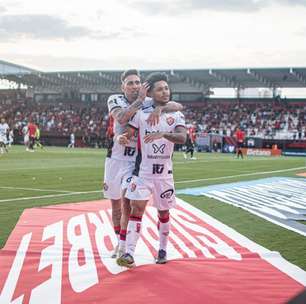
[(127, 73), (155, 77)]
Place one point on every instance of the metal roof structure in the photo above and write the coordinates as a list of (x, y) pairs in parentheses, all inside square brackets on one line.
[(188, 80)]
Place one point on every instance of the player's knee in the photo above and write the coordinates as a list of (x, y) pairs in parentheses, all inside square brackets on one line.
[(163, 214), (116, 204), (137, 210)]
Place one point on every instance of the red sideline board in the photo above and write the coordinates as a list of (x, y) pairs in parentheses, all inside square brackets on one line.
[(61, 254)]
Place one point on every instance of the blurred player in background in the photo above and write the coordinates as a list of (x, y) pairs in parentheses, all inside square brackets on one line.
[(4, 130), (240, 136), (32, 134), (25, 132), (190, 142), (37, 137), (11, 138), (72, 140)]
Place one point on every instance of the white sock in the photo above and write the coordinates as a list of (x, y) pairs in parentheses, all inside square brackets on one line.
[(163, 229), (122, 246), (133, 233)]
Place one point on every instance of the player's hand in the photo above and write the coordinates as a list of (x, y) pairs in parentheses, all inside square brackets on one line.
[(143, 91), (153, 136), (153, 118), (122, 140)]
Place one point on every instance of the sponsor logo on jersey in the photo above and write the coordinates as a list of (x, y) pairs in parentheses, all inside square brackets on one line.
[(160, 148), (167, 194)]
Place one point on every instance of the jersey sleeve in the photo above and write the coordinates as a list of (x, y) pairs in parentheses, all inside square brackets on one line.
[(135, 120), (180, 120), (113, 102), (148, 102)]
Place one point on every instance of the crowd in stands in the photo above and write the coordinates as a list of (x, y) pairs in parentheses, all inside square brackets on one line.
[(279, 120), (56, 118), (262, 119)]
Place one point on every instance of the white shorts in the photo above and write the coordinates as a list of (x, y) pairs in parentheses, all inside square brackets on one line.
[(26, 139), (3, 139), (162, 191), (117, 175)]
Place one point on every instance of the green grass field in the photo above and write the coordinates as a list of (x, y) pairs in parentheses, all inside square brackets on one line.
[(58, 175)]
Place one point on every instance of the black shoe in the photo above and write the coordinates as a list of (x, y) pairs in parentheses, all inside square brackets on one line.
[(162, 257)]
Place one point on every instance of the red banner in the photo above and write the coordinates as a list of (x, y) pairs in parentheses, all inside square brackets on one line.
[(61, 254)]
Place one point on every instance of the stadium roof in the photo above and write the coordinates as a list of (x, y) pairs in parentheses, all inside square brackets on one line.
[(189, 80)]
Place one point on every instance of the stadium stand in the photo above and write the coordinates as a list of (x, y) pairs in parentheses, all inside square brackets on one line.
[(66, 102)]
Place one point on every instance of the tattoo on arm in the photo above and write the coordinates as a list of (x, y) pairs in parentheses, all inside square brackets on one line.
[(124, 115), (177, 137)]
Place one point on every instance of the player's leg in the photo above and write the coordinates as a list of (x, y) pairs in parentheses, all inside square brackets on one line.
[(191, 153), (133, 233), (125, 214), (163, 230), (5, 148), (112, 191), (139, 192), (239, 150), (126, 206), (31, 145), (163, 200), (116, 216)]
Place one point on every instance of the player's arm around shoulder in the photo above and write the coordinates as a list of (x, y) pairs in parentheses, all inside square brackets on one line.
[(123, 115), (179, 136), (171, 106)]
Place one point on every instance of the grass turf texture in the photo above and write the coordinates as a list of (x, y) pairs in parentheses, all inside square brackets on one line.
[(57, 171)]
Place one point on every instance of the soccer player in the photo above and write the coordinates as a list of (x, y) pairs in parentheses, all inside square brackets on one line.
[(4, 130), (72, 141), (25, 132), (11, 138), (120, 160), (190, 142), (32, 133), (240, 139), (153, 175), (37, 138)]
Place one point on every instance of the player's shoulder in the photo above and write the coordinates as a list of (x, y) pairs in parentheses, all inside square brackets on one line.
[(116, 99), (178, 114), (148, 105)]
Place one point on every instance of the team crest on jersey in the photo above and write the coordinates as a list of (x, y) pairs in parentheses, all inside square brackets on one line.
[(105, 186), (133, 187), (170, 121)]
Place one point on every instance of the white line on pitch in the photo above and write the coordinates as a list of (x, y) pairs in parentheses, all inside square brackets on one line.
[(47, 196), (35, 189), (178, 182)]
